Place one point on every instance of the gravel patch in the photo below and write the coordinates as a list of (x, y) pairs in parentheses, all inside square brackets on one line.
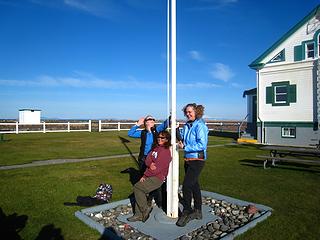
[(231, 217)]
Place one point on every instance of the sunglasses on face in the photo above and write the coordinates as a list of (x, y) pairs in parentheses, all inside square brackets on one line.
[(150, 119), (161, 137)]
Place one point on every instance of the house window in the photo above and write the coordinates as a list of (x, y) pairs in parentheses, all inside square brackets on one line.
[(280, 57), (280, 94), (288, 132), (310, 50)]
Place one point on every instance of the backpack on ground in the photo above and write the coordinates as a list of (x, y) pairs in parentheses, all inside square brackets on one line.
[(104, 192)]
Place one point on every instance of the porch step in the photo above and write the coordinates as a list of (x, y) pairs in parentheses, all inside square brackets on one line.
[(247, 140)]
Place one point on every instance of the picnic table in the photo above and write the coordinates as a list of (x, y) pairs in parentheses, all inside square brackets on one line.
[(290, 154)]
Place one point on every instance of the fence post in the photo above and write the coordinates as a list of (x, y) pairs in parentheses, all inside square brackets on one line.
[(99, 125), (89, 126), (119, 126), (68, 126), (44, 127), (17, 127)]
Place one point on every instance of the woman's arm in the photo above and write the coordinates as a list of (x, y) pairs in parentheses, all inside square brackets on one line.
[(163, 126), (134, 132), (162, 162)]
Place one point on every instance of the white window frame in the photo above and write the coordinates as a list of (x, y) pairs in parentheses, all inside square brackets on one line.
[(307, 50), (277, 94), (286, 133), (318, 45), (274, 59)]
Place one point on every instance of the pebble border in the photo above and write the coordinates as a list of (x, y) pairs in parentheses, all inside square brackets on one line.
[(233, 219)]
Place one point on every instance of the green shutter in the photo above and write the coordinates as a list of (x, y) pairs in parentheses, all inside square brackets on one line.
[(298, 53), (269, 95), (292, 92)]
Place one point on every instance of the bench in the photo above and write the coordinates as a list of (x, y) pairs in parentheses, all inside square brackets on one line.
[(284, 159)]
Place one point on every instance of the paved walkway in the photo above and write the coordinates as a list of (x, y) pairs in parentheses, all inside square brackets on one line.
[(60, 161)]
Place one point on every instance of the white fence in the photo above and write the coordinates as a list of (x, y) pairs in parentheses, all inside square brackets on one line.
[(101, 126), (216, 126), (46, 127), (116, 124)]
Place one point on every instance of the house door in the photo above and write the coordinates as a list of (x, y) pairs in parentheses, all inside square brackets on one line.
[(254, 116)]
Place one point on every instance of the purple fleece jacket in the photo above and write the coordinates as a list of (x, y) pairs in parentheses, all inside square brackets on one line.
[(161, 156)]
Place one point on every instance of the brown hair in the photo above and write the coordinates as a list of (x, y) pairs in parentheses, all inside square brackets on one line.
[(167, 135), (199, 109)]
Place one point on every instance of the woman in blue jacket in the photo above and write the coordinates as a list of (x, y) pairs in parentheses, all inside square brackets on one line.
[(148, 136), (194, 142)]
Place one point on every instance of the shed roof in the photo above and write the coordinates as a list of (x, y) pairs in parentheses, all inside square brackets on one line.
[(252, 91), (29, 109)]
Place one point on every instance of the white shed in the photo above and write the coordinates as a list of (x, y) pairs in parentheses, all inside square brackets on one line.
[(29, 116)]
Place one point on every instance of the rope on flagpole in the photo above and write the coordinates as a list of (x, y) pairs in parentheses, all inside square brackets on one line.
[(168, 57)]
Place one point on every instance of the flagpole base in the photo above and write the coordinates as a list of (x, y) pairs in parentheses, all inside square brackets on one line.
[(161, 217)]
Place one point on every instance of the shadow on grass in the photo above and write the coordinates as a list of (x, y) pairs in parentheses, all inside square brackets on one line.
[(50, 232), (283, 165), (134, 177), (11, 225), (124, 141), (85, 201)]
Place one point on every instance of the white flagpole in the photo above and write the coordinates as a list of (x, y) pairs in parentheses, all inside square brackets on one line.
[(168, 58), (173, 176)]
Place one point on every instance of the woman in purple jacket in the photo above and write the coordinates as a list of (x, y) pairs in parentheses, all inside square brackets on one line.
[(157, 163)]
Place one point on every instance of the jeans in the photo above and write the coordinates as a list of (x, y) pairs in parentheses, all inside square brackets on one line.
[(191, 185)]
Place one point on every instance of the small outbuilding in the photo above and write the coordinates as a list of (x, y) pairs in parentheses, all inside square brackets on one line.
[(29, 116)]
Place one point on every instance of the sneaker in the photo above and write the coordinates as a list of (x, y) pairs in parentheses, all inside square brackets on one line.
[(183, 220), (196, 214), (146, 214), (134, 218)]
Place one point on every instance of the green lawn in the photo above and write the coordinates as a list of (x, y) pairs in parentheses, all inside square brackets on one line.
[(23, 148), (39, 193)]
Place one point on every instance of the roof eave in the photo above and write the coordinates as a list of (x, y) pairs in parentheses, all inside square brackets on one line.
[(256, 66), (258, 61)]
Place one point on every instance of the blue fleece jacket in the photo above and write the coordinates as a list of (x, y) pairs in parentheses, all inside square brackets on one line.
[(195, 139), (136, 133)]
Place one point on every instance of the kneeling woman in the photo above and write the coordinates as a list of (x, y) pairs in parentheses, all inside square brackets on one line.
[(157, 163)]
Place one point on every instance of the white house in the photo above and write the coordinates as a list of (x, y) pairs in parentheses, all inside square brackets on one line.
[(288, 86), (29, 116)]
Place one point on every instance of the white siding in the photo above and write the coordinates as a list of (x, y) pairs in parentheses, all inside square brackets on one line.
[(295, 39), (300, 74), (29, 116)]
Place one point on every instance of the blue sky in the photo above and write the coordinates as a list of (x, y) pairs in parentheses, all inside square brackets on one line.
[(101, 59)]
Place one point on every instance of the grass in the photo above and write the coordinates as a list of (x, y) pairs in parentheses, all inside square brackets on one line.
[(39, 193), (25, 148)]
